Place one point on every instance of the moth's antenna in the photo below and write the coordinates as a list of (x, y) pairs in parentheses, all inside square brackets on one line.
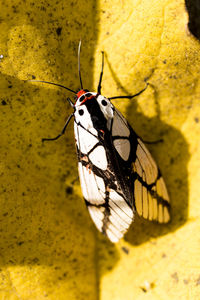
[(101, 75), (79, 67), (62, 86)]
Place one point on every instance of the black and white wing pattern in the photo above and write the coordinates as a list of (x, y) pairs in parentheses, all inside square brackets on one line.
[(117, 173)]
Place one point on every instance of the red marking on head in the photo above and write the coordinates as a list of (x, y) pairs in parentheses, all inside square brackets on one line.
[(80, 93)]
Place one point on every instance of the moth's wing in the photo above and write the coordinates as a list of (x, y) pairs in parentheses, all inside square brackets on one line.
[(150, 192), (107, 207)]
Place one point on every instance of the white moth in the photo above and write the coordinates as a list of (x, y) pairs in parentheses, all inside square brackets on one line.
[(117, 173)]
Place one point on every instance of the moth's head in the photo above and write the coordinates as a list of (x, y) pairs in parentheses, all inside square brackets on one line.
[(83, 95), (93, 110)]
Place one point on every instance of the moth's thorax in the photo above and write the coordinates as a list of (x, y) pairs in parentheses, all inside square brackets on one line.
[(93, 111)]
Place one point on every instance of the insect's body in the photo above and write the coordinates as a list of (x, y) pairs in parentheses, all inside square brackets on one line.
[(117, 172)]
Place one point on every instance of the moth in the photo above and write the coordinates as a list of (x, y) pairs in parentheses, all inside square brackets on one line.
[(117, 173)]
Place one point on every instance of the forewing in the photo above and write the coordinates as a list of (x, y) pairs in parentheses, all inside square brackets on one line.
[(106, 204)]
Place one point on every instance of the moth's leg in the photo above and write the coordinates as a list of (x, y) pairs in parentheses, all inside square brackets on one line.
[(131, 96), (62, 132)]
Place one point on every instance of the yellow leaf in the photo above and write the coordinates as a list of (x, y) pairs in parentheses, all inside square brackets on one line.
[(49, 248)]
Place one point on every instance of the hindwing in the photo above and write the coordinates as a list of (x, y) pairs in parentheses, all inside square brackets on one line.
[(150, 193)]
